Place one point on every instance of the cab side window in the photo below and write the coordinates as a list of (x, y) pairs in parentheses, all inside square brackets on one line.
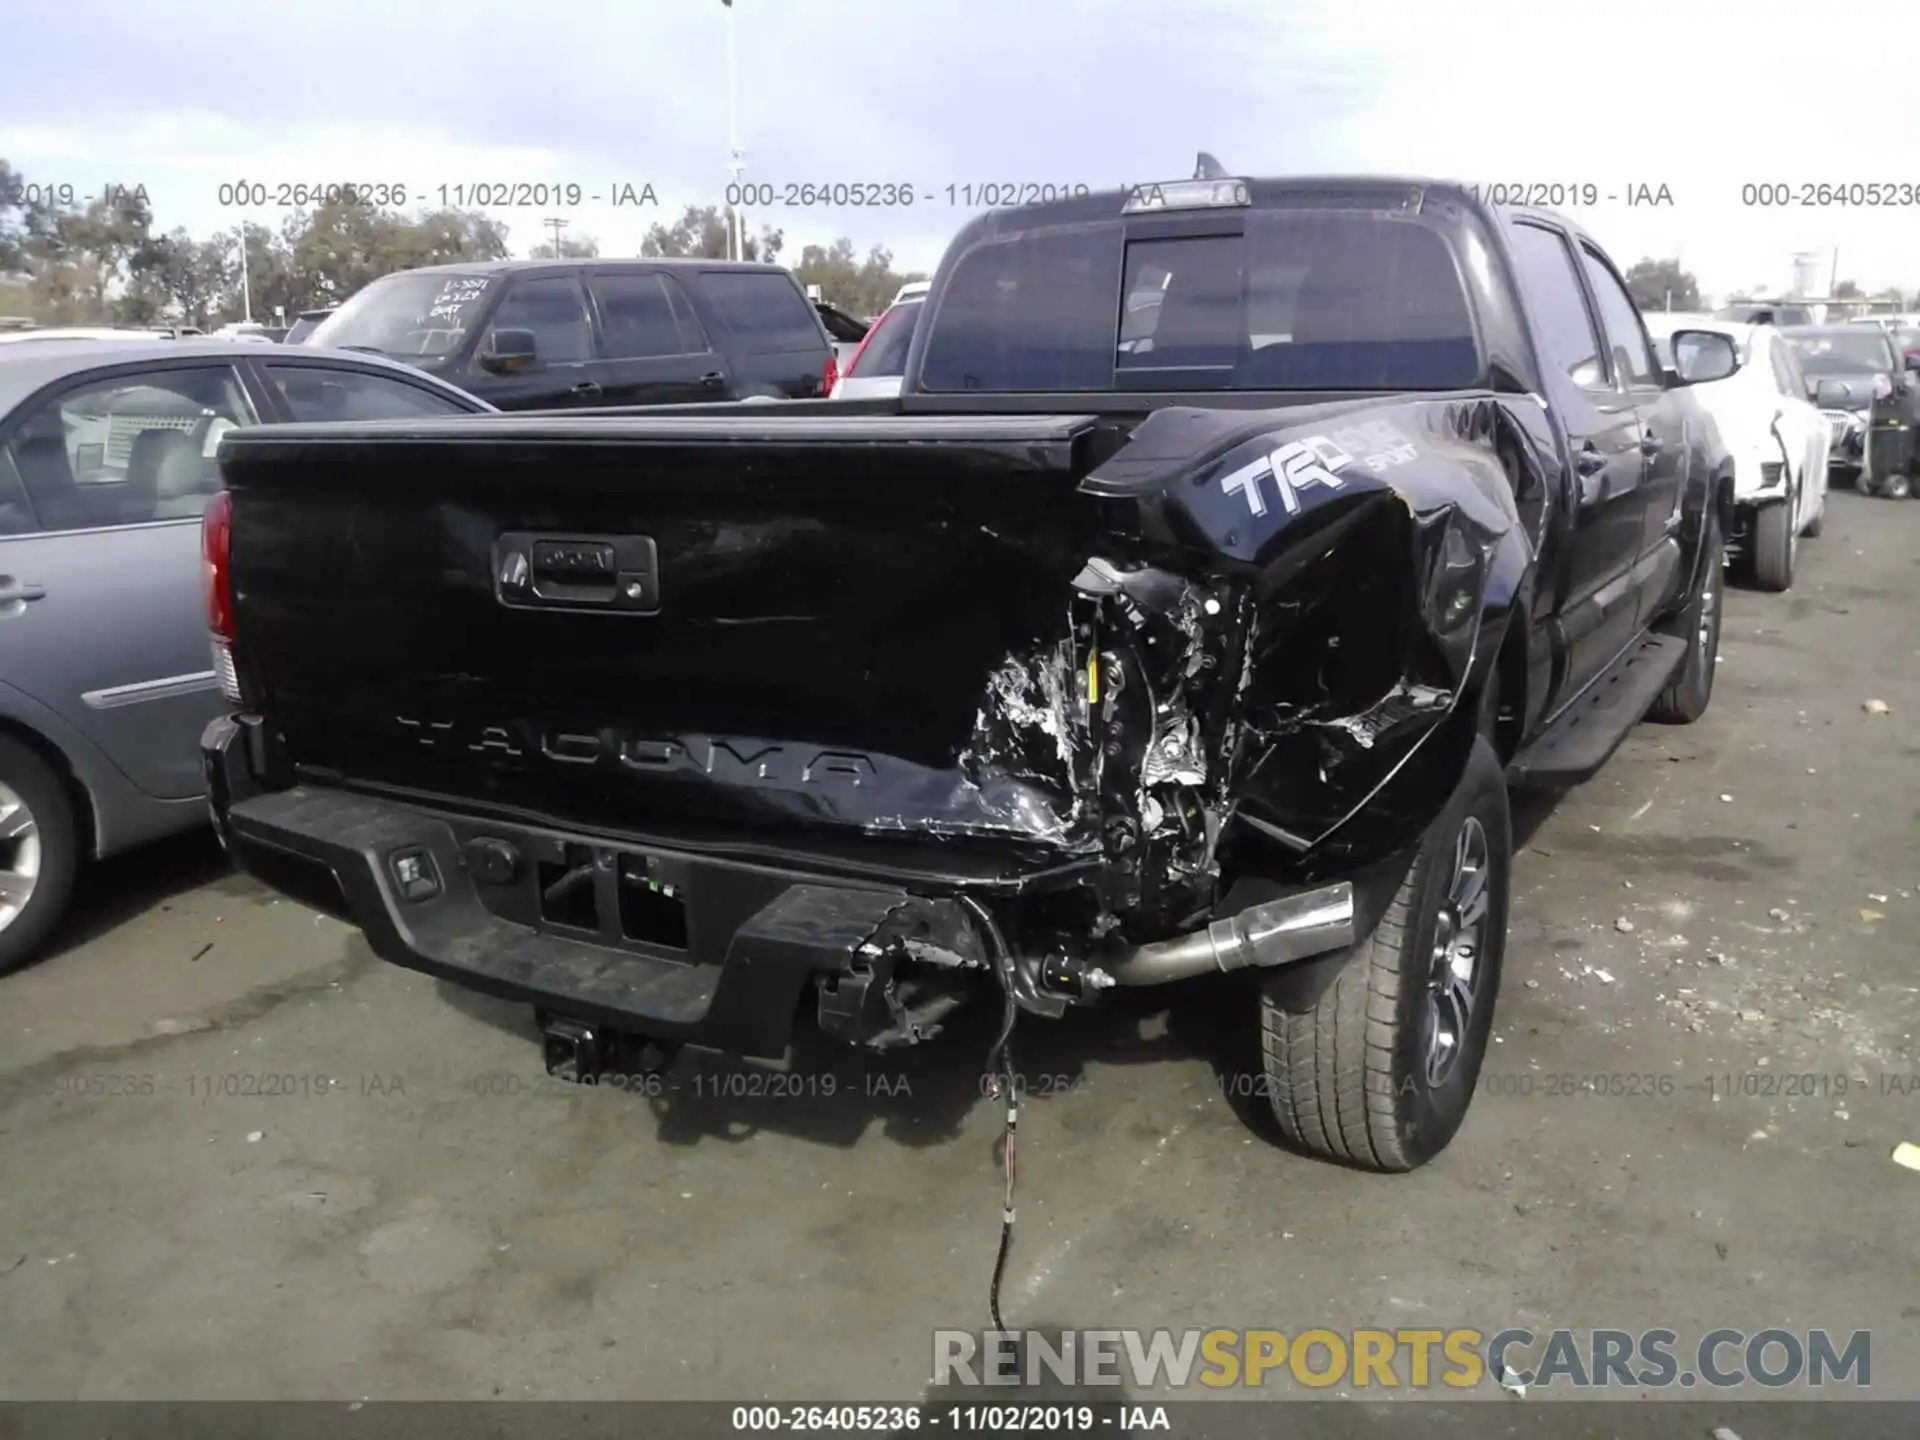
[(1633, 358), (16, 516), (1548, 277), (127, 450), (554, 308), (1786, 375), (317, 392)]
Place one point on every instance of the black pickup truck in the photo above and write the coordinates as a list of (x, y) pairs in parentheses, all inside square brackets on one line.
[(1086, 662)]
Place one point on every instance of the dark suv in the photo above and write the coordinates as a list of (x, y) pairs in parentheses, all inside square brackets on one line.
[(553, 334)]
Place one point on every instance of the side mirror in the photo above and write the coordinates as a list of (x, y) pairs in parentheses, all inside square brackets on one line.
[(1830, 395), (507, 352), (1703, 356)]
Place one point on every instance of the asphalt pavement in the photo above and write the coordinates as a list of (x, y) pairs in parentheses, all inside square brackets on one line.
[(245, 1159)]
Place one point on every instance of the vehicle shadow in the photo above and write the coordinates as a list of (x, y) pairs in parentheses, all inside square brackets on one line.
[(111, 892), (921, 1096)]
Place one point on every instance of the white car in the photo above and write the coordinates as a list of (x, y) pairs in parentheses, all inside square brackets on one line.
[(77, 332), (1777, 436), (1887, 322), (879, 365)]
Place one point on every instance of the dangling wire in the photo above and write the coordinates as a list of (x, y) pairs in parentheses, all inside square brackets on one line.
[(1005, 1081), (1003, 1084)]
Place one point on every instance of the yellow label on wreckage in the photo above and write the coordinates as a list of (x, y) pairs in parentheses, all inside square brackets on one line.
[(1444, 1361)]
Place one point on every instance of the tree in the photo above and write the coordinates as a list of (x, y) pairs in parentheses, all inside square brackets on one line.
[(71, 258), (348, 243), (702, 232), (865, 287), (1662, 284), (1847, 290), (104, 263), (572, 247), (444, 237), (189, 278)]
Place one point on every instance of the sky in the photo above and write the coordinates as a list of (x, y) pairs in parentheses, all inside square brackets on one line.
[(1690, 100)]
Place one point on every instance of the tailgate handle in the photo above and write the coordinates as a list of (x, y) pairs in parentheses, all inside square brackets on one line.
[(577, 572)]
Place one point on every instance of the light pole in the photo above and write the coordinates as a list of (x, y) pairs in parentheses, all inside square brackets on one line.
[(556, 225), (736, 158), (246, 285)]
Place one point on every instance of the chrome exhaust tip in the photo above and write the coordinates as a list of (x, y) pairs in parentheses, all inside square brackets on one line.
[(1275, 932)]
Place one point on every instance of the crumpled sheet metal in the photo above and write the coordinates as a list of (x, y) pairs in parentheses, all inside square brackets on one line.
[(1271, 541)]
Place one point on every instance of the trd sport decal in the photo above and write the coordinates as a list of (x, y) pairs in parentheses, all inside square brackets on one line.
[(1316, 460), (1294, 466)]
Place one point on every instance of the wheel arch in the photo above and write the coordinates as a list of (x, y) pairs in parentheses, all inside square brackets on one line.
[(86, 819)]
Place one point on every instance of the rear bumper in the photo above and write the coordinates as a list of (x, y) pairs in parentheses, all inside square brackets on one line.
[(698, 948), (751, 937)]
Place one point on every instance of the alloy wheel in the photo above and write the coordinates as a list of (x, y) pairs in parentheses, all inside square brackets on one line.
[(1459, 942), (1709, 618), (19, 855)]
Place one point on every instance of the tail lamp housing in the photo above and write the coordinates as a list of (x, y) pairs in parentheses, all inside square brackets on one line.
[(216, 553)]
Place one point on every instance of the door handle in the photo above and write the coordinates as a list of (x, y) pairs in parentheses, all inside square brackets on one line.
[(713, 379), (586, 387), (1651, 444), (12, 590), (1590, 461)]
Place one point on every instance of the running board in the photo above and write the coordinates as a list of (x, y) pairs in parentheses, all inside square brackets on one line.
[(1588, 731)]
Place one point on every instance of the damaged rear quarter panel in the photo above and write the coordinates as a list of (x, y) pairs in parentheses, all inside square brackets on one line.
[(1316, 592)]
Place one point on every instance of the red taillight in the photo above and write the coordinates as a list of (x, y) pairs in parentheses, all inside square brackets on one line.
[(830, 376), (216, 542), (865, 340)]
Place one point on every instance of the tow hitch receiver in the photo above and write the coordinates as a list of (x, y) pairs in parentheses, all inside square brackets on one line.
[(573, 1051)]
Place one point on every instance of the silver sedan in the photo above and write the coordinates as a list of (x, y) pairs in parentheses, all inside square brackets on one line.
[(107, 459)]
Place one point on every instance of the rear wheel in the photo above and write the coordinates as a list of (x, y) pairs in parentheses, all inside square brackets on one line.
[(1686, 697), (1897, 487), (1774, 545), (1380, 1072), (1817, 521), (39, 852)]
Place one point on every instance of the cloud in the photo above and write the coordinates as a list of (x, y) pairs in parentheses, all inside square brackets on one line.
[(1701, 97)]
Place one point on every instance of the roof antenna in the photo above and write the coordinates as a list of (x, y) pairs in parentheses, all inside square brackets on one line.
[(1208, 168)]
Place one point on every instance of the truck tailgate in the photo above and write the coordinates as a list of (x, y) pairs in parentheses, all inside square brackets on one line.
[(692, 622)]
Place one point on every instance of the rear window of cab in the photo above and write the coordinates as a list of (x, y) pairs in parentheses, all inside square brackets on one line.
[(1300, 300)]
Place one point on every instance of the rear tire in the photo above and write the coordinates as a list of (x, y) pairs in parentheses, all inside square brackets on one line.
[(1687, 696), (39, 852), (1897, 487), (1380, 1072), (1772, 551)]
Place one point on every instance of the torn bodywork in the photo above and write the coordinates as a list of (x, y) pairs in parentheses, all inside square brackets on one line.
[(1277, 669)]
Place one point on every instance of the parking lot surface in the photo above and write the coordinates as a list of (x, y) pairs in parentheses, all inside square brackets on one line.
[(245, 1159)]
